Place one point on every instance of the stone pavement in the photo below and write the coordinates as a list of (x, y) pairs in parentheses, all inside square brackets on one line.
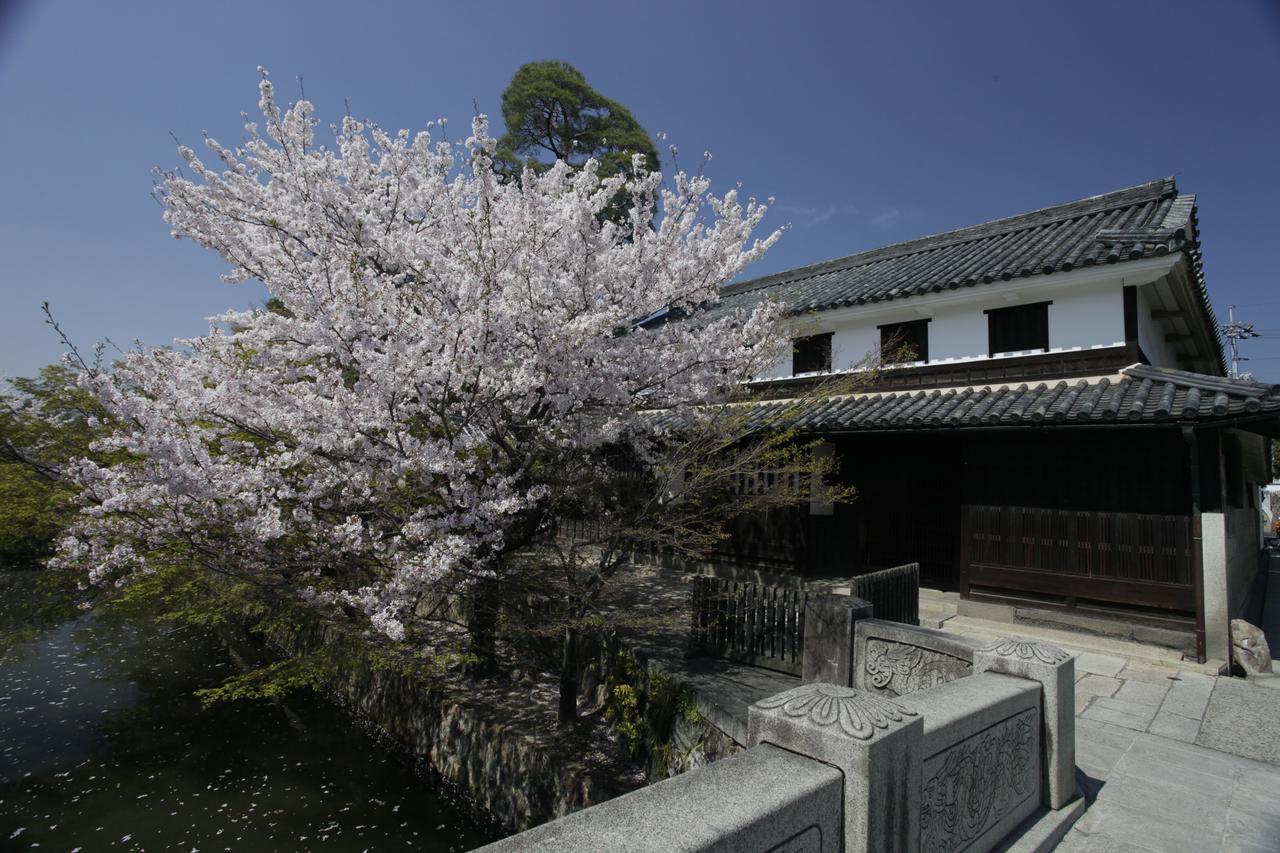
[(1152, 793), (1154, 733), (1154, 737), (1127, 684)]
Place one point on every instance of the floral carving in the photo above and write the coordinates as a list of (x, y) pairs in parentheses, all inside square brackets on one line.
[(899, 668), (1043, 652), (858, 714), (974, 784)]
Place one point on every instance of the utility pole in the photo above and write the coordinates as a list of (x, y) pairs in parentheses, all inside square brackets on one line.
[(1235, 332)]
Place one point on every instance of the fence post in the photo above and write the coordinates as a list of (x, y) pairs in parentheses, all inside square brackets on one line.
[(877, 743), (1056, 671), (828, 637)]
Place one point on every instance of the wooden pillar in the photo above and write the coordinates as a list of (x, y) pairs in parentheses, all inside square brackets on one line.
[(1197, 539), (962, 570), (1132, 351)]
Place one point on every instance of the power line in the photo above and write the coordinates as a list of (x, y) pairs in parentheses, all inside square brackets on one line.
[(1234, 333)]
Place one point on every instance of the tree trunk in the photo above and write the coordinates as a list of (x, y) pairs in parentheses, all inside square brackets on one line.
[(569, 677), (482, 626)]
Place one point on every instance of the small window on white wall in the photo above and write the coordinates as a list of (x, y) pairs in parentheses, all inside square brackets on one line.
[(811, 354), (902, 343), (1018, 328)]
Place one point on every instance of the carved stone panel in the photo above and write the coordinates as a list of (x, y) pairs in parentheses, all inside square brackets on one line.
[(1028, 651), (857, 714), (972, 786), (897, 669)]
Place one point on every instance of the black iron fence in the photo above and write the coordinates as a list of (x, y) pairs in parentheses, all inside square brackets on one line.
[(894, 593), (750, 622)]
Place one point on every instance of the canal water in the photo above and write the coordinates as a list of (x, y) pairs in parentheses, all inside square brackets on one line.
[(104, 747)]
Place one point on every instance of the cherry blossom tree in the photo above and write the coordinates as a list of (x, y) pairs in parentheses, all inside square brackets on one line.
[(441, 346)]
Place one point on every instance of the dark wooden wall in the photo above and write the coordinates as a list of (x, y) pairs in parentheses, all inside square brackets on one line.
[(1117, 470), (914, 491)]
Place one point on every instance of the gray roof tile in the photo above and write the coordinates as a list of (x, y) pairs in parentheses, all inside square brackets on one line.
[(1147, 220), (1141, 395)]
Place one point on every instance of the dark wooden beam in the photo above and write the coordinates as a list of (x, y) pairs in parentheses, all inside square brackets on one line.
[(1166, 314), (1174, 337), (1197, 538), (1130, 314), (1042, 367)]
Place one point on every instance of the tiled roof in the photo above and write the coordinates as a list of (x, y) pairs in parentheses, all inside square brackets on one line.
[(1139, 222), (1138, 394), (1145, 221)]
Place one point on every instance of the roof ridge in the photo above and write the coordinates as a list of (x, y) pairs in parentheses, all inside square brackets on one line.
[(1202, 380), (1150, 190)]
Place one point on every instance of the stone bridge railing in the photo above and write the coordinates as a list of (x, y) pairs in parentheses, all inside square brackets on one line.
[(926, 742)]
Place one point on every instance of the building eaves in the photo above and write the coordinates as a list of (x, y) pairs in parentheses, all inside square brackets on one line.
[(1144, 221), (1139, 394)]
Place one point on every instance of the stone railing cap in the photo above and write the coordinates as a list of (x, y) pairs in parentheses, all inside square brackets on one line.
[(1025, 650), (858, 714)]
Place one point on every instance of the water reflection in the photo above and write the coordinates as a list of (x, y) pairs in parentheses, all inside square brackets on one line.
[(102, 746)]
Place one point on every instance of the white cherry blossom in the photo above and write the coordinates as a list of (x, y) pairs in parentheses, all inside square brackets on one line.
[(441, 335)]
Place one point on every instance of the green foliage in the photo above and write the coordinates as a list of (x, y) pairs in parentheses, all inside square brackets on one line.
[(50, 601), (321, 647), (275, 680), (552, 113), (44, 423), (624, 709), (180, 592), (687, 707), (643, 703), (32, 513)]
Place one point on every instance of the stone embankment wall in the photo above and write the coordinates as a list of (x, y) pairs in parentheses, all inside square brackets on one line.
[(497, 741), (973, 748), (657, 719), (486, 738)]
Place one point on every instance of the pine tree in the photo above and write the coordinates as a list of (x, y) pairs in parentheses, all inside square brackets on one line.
[(552, 113)]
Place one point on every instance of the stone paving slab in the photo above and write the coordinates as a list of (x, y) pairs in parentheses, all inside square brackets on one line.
[(1096, 685), (1188, 698), (1244, 719), (1168, 797), (1143, 693), (1145, 722), (1099, 664), (1120, 712), (1175, 726), (1167, 751), (1099, 747)]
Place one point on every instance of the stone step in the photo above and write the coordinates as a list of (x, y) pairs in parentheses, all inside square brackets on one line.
[(1170, 636), (933, 613), (1168, 633), (1076, 642)]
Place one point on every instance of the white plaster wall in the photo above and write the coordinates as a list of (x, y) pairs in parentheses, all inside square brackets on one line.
[(1081, 317), (853, 343), (1150, 335), (1087, 317), (1217, 631), (960, 331), (1244, 530), (1231, 552), (1242, 560)]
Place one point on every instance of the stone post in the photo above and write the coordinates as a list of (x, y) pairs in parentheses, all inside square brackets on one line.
[(1056, 672), (874, 741), (829, 621)]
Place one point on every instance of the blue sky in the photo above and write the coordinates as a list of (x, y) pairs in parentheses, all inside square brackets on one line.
[(870, 123)]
